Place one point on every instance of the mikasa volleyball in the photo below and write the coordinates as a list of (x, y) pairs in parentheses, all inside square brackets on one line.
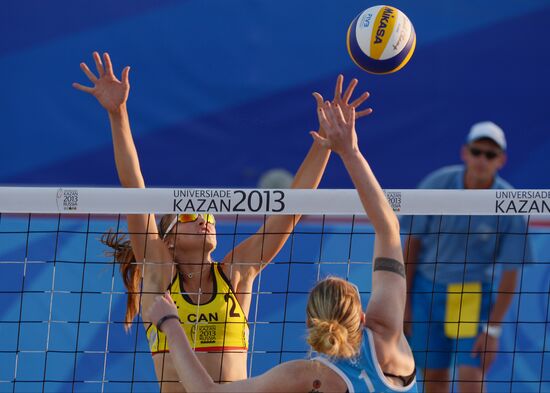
[(381, 39)]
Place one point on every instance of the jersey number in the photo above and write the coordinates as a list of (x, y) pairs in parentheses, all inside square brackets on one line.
[(232, 312)]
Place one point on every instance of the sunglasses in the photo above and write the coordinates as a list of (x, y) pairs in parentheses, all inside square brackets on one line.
[(489, 154), (209, 218), (183, 218)]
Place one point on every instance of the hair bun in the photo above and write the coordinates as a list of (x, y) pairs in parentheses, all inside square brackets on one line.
[(330, 338)]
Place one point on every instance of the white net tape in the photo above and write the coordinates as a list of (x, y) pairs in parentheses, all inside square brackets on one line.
[(263, 201)]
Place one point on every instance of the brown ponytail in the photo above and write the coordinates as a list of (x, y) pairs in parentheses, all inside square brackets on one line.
[(130, 270)]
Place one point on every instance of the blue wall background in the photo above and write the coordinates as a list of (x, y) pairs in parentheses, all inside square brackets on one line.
[(221, 92)]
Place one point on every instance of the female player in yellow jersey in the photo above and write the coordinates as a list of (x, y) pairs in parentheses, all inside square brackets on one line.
[(357, 352), (213, 298)]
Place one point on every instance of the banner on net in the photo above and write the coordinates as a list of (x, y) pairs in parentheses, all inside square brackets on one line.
[(267, 201)]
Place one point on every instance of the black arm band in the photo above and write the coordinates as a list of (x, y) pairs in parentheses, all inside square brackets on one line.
[(389, 265), (164, 319)]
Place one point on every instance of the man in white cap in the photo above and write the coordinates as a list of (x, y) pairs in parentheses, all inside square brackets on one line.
[(454, 266), (484, 155)]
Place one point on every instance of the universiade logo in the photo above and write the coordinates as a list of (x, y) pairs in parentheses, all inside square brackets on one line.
[(225, 201), (522, 202), (202, 200), (394, 198), (66, 200)]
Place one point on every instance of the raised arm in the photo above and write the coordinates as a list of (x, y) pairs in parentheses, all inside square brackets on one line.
[(112, 94), (386, 307), (258, 250)]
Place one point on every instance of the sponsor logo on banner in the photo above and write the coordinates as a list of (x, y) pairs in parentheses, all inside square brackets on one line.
[(394, 198), (366, 20), (67, 200), (228, 201), (522, 202)]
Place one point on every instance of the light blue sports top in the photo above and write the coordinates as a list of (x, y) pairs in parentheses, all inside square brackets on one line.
[(466, 248), (363, 373)]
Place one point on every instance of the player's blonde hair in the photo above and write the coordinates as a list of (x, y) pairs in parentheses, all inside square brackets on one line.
[(334, 318)]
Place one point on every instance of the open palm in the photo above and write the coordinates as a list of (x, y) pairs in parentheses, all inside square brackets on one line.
[(111, 93), (342, 100)]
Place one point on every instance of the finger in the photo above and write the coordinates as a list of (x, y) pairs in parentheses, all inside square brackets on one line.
[(340, 118), (98, 64), (89, 74), (349, 91), (125, 75), (352, 118), (108, 64), (363, 113), (362, 98), (338, 88), (334, 117), (349, 115), (85, 89), (318, 99), (318, 138), (329, 114), (323, 117)]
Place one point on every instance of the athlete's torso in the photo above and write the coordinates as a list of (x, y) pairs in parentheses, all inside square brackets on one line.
[(215, 325)]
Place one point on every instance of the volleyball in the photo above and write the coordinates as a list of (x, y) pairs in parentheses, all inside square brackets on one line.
[(381, 39)]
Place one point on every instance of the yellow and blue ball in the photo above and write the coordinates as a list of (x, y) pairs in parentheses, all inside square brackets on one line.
[(381, 39)]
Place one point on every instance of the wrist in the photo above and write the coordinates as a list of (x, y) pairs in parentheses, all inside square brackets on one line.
[(167, 321), (492, 330), (170, 326), (118, 111), (350, 153)]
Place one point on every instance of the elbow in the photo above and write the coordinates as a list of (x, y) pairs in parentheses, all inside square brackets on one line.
[(390, 229), (394, 223)]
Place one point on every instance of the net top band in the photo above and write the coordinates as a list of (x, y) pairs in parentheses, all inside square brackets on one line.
[(267, 201)]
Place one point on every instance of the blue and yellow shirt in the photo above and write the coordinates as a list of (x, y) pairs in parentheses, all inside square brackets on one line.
[(217, 325)]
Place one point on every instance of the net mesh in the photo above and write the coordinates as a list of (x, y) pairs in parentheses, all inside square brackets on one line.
[(62, 301)]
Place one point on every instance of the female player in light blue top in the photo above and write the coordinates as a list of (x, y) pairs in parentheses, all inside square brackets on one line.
[(357, 351)]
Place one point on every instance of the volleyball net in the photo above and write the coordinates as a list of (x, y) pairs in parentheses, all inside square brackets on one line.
[(62, 300)]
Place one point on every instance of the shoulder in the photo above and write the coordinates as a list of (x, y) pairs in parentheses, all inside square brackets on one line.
[(442, 177)]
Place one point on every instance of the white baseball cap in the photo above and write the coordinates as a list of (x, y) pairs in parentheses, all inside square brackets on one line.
[(487, 129)]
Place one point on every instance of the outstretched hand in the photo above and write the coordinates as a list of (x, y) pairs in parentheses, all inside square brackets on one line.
[(343, 100), (339, 127), (108, 90)]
